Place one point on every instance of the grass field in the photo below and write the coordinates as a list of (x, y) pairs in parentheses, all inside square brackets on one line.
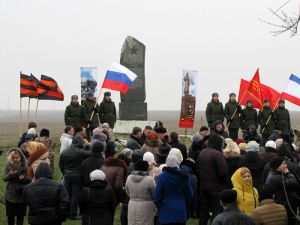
[(10, 143)]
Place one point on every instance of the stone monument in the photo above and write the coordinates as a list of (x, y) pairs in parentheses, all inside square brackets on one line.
[(133, 105)]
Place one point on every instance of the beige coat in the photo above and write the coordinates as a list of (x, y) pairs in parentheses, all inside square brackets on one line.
[(269, 213), (141, 209)]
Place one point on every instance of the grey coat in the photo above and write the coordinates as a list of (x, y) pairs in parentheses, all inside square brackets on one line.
[(141, 209)]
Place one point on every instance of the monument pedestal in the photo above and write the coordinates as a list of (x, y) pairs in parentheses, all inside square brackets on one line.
[(126, 126), (133, 111)]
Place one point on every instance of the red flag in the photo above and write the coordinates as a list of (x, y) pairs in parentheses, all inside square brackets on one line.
[(251, 91), (266, 92)]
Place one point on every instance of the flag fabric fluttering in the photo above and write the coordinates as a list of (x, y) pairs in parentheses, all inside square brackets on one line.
[(266, 92), (48, 89), (292, 90), (252, 92), (118, 78), (27, 86)]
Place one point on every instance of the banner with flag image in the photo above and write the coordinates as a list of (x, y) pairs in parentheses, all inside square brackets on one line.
[(88, 81), (188, 98)]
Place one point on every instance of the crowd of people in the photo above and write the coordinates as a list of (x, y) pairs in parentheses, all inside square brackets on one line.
[(156, 179)]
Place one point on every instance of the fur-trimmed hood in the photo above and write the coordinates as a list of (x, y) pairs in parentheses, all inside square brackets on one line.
[(152, 143), (111, 161), (41, 153), (23, 158)]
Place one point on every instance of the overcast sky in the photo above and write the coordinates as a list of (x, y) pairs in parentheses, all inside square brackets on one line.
[(222, 40)]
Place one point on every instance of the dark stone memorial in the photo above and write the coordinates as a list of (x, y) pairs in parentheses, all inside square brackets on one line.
[(133, 105)]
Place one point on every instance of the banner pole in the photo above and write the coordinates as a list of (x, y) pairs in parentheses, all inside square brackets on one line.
[(36, 110), (20, 117), (27, 121)]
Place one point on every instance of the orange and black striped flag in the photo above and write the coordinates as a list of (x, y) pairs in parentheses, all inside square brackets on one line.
[(28, 87), (48, 89)]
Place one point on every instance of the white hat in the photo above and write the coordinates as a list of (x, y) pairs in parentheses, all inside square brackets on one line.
[(149, 157), (177, 153), (97, 175), (252, 146), (278, 142), (31, 131), (172, 161), (270, 144)]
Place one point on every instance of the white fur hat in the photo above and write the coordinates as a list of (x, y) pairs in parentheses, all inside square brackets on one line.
[(177, 153), (271, 144), (149, 157), (172, 161), (97, 175)]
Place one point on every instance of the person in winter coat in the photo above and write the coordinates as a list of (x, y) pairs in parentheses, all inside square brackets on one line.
[(49, 143), (47, 200), (266, 115), (213, 171), (152, 143), (66, 138), (140, 187), (175, 152), (95, 162), (89, 108), (15, 176), (153, 170), (136, 156), (22, 139), (232, 114), (135, 139), (219, 129), (39, 155), (281, 179), (269, 213), (107, 111), (162, 154), (198, 144), (248, 116), (251, 135), (233, 158), (115, 170), (74, 115), (247, 195), (231, 214), (97, 202), (254, 163), (172, 205), (69, 164), (282, 118), (214, 111), (174, 142), (188, 167), (269, 153)]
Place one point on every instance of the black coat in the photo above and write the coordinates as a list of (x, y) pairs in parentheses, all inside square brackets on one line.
[(71, 159), (134, 143), (95, 162), (233, 164), (282, 120), (97, 204), (256, 165), (248, 117), (47, 200), (230, 108), (180, 146), (214, 111)]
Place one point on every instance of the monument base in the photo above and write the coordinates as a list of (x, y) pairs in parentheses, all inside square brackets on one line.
[(125, 127), (133, 111)]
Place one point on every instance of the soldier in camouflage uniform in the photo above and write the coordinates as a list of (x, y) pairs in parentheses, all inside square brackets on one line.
[(231, 107), (214, 111), (74, 114), (88, 108), (282, 118), (264, 114)]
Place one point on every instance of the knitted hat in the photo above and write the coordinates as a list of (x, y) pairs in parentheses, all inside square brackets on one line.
[(228, 196), (276, 162), (97, 131), (149, 157), (97, 175), (177, 153), (172, 161), (252, 146), (31, 131), (127, 152), (270, 144), (141, 166)]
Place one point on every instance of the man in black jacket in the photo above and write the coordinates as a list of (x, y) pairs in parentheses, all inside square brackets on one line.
[(47, 200), (135, 139), (174, 143), (69, 164)]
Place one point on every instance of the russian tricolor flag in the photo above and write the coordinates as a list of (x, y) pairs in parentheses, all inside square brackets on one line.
[(118, 78), (292, 91)]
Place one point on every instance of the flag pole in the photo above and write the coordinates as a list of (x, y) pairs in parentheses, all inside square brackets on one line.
[(36, 110), (274, 108), (28, 111), (20, 117)]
